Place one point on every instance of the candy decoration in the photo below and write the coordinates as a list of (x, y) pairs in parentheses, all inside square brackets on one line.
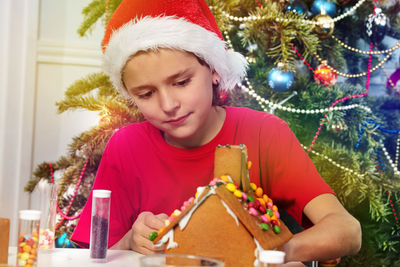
[(153, 236), (231, 187), (257, 207), (249, 164), (324, 26), (237, 193), (46, 239), (264, 226), (324, 75), (276, 229), (279, 80), (259, 192), (323, 7), (27, 250), (253, 186), (376, 26)]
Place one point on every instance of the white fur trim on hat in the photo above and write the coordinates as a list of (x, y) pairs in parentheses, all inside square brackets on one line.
[(150, 33)]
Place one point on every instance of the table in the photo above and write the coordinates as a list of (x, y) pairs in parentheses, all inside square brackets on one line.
[(74, 257)]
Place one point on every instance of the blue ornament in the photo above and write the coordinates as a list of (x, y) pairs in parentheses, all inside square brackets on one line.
[(280, 81), (323, 6), (297, 6), (64, 242)]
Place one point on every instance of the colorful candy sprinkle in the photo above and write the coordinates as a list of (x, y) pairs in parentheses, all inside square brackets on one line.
[(259, 192), (27, 254), (226, 178), (46, 239), (237, 193), (265, 218), (253, 186), (153, 236), (249, 164), (269, 212), (253, 211), (264, 226), (261, 206), (231, 187)]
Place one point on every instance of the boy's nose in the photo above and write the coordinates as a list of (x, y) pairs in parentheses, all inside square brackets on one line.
[(168, 102)]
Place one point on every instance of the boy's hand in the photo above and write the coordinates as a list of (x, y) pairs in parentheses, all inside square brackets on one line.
[(145, 224)]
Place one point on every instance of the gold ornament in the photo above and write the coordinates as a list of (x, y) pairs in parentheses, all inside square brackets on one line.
[(324, 26)]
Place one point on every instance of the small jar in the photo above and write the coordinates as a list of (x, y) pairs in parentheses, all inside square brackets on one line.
[(28, 237), (48, 207), (100, 224), (271, 258)]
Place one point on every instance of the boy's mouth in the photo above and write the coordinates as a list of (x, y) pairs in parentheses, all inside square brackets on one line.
[(179, 120)]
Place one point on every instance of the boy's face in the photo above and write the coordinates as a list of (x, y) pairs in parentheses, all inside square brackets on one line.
[(174, 93)]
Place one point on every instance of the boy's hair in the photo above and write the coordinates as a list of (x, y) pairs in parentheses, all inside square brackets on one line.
[(187, 25)]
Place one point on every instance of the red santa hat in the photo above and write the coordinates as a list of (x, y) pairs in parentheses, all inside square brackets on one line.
[(188, 25)]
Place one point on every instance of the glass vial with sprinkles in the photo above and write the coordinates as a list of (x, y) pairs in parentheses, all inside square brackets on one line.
[(48, 207), (100, 224), (28, 237), (271, 258)]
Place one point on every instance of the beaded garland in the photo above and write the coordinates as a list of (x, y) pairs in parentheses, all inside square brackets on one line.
[(305, 21), (321, 60), (249, 90), (395, 170), (393, 210), (260, 206), (392, 207), (377, 126), (335, 163), (390, 50), (396, 160), (338, 100), (63, 215)]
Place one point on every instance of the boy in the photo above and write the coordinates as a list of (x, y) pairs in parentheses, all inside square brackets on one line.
[(170, 59)]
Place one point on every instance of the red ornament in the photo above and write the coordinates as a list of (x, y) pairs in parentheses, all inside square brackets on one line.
[(323, 75)]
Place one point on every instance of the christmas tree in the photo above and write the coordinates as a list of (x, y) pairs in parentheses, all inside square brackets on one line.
[(311, 63)]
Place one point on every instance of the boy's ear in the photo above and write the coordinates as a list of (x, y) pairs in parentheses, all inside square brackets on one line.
[(216, 79)]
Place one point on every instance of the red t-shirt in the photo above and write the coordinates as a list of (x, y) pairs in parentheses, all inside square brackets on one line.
[(145, 173)]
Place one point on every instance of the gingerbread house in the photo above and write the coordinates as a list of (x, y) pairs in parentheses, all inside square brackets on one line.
[(229, 219)]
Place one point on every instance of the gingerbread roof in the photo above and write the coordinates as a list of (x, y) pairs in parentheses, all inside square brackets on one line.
[(242, 200)]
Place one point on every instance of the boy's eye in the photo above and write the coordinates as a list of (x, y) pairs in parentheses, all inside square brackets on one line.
[(182, 82), (146, 94)]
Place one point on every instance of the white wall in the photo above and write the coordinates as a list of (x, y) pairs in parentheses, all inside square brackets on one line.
[(40, 56)]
